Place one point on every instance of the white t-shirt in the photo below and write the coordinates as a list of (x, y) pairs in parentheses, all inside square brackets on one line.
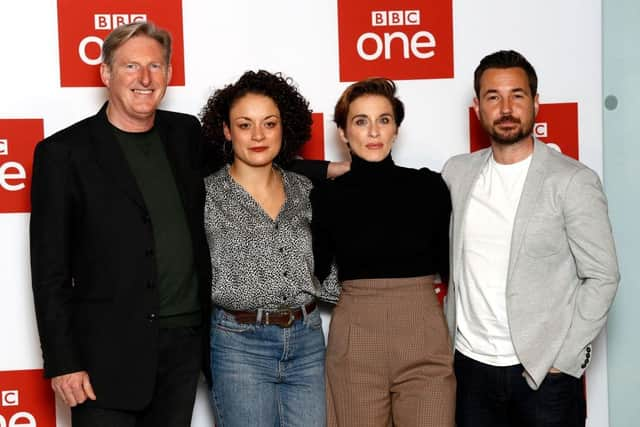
[(483, 325)]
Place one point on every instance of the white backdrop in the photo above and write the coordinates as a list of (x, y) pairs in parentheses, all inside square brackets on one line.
[(223, 39)]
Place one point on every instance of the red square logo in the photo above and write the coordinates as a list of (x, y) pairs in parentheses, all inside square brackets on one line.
[(83, 26), (313, 149), (18, 138), (556, 124), (397, 39), (26, 399)]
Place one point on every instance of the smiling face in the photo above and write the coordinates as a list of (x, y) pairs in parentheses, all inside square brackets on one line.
[(370, 128), (254, 129), (137, 81), (506, 107)]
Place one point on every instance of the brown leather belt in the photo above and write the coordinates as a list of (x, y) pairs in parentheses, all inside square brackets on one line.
[(283, 318)]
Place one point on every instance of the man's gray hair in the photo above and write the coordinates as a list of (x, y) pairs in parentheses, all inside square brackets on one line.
[(125, 32)]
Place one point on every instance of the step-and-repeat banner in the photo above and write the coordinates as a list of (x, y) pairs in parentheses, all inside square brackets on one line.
[(50, 54)]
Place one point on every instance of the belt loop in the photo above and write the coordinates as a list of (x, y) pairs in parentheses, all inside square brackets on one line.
[(304, 312), (259, 316)]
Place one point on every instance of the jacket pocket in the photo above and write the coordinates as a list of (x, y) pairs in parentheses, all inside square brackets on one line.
[(545, 236)]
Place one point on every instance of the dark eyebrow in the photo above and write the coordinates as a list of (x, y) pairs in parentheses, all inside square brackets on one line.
[(515, 90), (271, 116)]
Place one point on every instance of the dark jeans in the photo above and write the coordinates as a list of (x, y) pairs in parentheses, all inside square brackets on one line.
[(491, 396), (179, 364)]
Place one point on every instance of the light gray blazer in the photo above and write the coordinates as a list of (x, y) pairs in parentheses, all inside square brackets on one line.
[(563, 271)]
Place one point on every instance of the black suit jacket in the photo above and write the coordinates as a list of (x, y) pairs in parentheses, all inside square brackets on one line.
[(92, 262)]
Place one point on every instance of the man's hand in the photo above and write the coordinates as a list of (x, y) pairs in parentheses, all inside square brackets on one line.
[(74, 388), (335, 169)]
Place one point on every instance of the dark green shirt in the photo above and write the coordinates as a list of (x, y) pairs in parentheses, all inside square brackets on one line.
[(177, 281)]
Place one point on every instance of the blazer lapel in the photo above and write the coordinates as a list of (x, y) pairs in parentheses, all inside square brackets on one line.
[(464, 192), (526, 206), (111, 158)]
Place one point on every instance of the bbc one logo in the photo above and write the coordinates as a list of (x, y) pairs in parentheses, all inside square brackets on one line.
[(541, 131), (21, 418), (12, 174), (18, 138), (26, 399), (420, 45), (397, 39), (10, 398), (83, 26)]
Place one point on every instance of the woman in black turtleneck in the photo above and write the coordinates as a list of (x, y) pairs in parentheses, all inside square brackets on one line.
[(385, 228)]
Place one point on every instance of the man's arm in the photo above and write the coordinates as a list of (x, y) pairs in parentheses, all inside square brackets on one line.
[(591, 241), (50, 240), (336, 169), (319, 170)]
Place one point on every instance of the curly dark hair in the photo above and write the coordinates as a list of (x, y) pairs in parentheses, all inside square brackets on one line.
[(294, 113)]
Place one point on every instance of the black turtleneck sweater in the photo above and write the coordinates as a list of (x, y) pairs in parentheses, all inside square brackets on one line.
[(381, 221)]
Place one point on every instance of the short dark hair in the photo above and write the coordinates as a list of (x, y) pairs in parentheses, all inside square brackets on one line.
[(372, 86), (293, 107), (506, 59), (123, 33)]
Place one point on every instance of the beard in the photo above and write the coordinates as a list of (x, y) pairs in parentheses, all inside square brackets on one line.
[(517, 133)]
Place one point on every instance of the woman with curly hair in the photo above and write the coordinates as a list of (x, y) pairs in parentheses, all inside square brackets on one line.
[(267, 345), (389, 359)]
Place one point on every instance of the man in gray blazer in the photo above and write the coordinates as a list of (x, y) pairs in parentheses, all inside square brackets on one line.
[(533, 263)]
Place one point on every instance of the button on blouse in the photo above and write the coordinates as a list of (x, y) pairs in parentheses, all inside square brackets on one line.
[(259, 262)]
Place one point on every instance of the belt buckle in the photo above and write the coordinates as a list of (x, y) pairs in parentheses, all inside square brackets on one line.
[(291, 319)]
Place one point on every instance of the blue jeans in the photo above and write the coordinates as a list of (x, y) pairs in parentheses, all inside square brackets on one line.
[(491, 396), (265, 375)]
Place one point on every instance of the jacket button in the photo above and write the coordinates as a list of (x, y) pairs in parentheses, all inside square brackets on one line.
[(588, 350), (584, 365), (151, 317)]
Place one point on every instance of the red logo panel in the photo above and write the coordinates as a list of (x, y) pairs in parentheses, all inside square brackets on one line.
[(398, 39), (18, 138), (83, 26), (313, 149), (26, 399), (556, 124)]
